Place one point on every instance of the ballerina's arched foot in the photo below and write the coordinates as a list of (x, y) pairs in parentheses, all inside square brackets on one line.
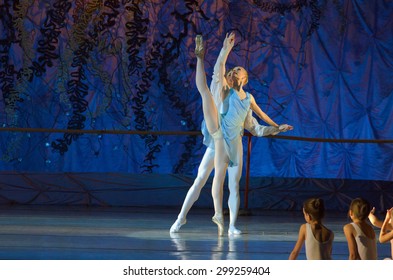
[(177, 225), (234, 231), (199, 49), (220, 223)]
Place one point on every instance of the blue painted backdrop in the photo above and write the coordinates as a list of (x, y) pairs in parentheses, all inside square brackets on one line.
[(326, 67)]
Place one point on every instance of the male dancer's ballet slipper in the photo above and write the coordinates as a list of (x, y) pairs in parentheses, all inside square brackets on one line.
[(177, 225), (220, 223), (199, 49), (234, 231)]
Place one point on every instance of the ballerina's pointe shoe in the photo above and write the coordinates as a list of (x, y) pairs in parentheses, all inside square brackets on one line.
[(220, 223), (234, 231), (199, 49), (177, 225)]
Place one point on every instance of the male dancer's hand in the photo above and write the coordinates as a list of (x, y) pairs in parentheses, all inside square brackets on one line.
[(285, 127)]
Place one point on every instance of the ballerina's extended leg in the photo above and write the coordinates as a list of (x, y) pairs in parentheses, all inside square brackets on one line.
[(210, 112)]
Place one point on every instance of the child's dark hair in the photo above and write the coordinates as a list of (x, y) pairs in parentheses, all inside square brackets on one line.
[(315, 207), (360, 208)]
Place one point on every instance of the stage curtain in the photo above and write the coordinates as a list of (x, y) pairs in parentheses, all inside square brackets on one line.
[(324, 67)]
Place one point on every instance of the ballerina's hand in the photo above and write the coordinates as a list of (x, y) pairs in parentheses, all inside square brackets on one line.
[(229, 41), (199, 49)]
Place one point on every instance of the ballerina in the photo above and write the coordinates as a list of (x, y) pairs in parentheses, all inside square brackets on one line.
[(227, 130), (220, 81)]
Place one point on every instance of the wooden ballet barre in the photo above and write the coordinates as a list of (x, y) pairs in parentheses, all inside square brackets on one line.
[(152, 132), (330, 140), (98, 131), (196, 133)]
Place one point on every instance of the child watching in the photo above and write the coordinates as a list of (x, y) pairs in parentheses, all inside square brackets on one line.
[(360, 235), (318, 238), (388, 227)]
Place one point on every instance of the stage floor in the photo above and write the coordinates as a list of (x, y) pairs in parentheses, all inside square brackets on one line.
[(127, 233)]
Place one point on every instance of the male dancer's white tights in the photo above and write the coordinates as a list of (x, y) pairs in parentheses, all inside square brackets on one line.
[(204, 170)]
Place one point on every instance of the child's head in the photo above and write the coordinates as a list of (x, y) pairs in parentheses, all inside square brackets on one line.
[(359, 209), (314, 208)]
